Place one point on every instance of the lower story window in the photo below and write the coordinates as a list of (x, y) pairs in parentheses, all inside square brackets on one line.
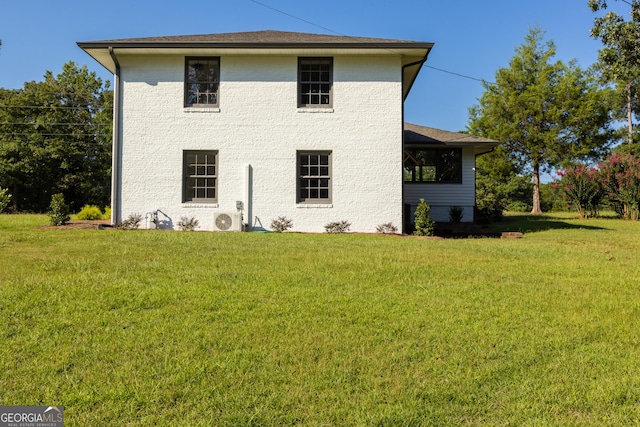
[(314, 177), (443, 165), (200, 176)]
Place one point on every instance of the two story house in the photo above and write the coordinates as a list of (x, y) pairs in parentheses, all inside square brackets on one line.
[(237, 129)]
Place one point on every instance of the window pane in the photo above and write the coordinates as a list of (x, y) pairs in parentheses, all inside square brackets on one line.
[(324, 194), (428, 173), (202, 81), (200, 182)]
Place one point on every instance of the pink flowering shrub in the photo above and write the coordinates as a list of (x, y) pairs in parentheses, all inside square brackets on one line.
[(620, 177), (581, 187)]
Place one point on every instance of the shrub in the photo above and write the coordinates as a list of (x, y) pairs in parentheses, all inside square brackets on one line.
[(188, 224), (58, 210), (455, 214), (620, 177), (281, 224), (89, 212), (131, 223), (387, 228), (5, 198), (107, 213), (424, 224), (338, 227), (581, 188)]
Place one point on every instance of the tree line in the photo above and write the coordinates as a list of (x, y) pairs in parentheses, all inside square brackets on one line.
[(55, 137), (551, 115)]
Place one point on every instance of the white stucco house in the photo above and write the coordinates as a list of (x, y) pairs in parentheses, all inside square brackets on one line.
[(237, 129)]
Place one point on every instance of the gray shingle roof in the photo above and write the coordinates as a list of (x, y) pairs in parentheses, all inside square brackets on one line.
[(416, 134), (261, 38)]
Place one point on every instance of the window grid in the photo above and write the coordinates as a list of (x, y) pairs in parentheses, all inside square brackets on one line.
[(202, 81), (315, 81), (433, 165), (200, 176), (314, 177)]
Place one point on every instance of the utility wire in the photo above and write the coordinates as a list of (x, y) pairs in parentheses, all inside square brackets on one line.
[(340, 34), (55, 124), (296, 17), (55, 107), (459, 75)]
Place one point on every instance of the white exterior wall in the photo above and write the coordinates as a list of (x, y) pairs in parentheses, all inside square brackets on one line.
[(258, 124), (442, 197)]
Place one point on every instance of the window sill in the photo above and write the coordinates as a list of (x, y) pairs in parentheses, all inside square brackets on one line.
[(315, 110), (200, 205), (201, 110), (314, 205)]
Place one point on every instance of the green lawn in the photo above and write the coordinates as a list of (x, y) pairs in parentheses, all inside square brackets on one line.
[(143, 328)]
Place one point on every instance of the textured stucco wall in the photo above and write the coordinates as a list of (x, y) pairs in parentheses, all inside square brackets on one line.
[(259, 125)]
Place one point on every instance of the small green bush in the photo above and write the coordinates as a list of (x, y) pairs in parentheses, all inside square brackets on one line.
[(106, 213), (5, 198), (58, 210), (188, 224), (338, 227), (424, 224), (89, 212), (281, 224)]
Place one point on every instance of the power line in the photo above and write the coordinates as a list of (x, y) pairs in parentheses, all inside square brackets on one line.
[(55, 124), (296, 17), (459, 75), (55, 107), (340, 34)]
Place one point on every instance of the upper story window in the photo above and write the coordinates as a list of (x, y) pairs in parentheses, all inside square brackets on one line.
[(202, 81), (443, 165), (315, 82)]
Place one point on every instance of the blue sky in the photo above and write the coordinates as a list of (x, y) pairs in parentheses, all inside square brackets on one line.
[(472, 37)]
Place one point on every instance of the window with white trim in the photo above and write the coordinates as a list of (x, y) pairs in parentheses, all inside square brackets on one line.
[(200, 182), (202, 81), (314, 177), (315, 82)]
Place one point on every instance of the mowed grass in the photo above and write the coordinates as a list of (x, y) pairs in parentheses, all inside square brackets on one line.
[(142, 328)]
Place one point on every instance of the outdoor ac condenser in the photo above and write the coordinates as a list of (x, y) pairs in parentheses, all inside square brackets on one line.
[(227, 221)]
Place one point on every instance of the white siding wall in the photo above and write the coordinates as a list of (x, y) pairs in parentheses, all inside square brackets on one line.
[(259, 124), (441, 197)]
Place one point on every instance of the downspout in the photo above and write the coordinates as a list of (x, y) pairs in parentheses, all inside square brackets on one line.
[(116, 148), (404, 98)]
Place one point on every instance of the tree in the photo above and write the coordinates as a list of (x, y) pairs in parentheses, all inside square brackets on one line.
[(619, 59), (55, 137), (544, 113), (500, 185)]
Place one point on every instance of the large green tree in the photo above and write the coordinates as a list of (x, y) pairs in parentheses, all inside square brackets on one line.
[(619, 58), (545, 113), (55, 137)]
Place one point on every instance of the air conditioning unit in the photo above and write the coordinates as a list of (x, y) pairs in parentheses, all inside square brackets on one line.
[(227, 221)]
